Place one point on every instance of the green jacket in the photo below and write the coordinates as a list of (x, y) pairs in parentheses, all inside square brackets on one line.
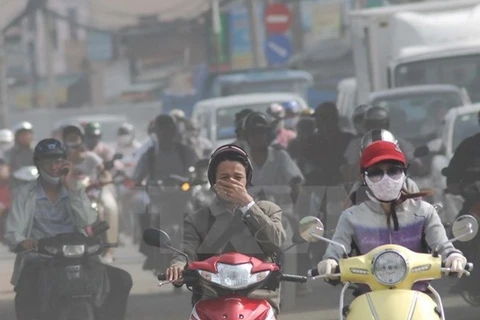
[(263, 237)]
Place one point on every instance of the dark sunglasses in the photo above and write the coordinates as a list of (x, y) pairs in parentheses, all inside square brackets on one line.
[(376, 174)]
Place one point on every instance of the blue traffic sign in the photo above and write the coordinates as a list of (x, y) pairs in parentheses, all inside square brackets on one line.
[(278, 49)]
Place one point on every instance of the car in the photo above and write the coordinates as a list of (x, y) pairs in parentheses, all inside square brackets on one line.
[(216, 117), (109, 124), (460, 123)]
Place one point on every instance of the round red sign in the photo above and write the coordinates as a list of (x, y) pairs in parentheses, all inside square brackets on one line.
[(277, 18)]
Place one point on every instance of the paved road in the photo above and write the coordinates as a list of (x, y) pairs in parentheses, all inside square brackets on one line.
[(149, 302)]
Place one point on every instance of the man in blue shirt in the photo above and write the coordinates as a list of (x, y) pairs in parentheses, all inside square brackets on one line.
[(46, 207)]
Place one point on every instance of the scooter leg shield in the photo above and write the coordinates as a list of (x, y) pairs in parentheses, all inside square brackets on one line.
[(393, 305)]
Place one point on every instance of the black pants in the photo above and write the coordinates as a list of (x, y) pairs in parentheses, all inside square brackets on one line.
[(114, 308)]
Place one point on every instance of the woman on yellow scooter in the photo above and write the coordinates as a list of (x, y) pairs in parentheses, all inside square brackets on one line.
[(390, 216)]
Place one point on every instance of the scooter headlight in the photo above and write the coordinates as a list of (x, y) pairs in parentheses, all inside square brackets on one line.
[(234, 276), (73, 251), (390, 267)]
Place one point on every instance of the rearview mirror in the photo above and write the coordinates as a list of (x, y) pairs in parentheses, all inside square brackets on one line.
[(421, 152), (444, 171), (465, 228), (156, 238), (308, 226)]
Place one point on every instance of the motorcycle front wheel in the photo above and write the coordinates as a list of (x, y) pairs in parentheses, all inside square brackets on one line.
[(77, 310)]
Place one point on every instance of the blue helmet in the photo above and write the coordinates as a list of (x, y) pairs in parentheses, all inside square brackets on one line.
[(291, 106)]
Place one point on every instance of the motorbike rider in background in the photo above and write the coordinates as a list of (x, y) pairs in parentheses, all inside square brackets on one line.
[(390, 215), (127, 146), (283, 136), (21, 154), (5, 195), (202, 146), (275, 172), (93, 137), (463, 176), (239, 131), (375, 117), (168, 156), (233, 222), (292, 114), (305, 129), (6, 142), (46, 207), (87, 164)]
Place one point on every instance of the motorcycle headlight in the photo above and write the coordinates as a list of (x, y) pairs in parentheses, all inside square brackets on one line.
[(234, 276), (73, 251), (93, 249), (390, 267)]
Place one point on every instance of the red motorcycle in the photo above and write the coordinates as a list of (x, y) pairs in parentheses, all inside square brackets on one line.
[(232, 276)]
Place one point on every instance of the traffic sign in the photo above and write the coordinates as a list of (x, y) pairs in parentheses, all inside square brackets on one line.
[(277, 18), (278, 49)]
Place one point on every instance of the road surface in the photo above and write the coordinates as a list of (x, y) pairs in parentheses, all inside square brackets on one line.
[(149, 302)]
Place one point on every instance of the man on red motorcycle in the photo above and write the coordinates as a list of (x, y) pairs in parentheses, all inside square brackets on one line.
[(46, 207), (233, 222)]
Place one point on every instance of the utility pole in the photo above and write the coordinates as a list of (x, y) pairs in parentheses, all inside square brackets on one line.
[(51, 91), (3, 84), (217, 30), (257, 50)]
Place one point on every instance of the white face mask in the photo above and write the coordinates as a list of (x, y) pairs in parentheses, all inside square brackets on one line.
[(48, 178), (387, 189)]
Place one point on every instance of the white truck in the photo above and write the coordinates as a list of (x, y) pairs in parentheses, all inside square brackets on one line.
[(406, 45)]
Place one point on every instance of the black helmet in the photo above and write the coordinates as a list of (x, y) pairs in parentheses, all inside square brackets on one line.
[(255, 120), (377, 118), (72, 129), (359, 113), (239, 117), (125, 129), (229, 152), (165, 120), (93, 129), (49, 149)]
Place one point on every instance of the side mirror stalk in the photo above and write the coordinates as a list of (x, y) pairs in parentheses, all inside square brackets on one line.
[(440, 246), (345, 254), (179, 252)]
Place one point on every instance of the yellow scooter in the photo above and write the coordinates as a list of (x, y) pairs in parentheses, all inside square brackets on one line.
[(390, 271)]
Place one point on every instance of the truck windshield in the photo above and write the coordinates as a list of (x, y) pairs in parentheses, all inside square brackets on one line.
[(465, 126), (296, 86), (416, 115), (462, 71)]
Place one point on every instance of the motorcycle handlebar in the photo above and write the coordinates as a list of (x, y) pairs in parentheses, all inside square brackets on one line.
[(314, 272), (293, 278)]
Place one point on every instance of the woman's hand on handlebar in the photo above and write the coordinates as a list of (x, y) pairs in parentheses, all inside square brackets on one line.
[(327, 267), (174, 274)]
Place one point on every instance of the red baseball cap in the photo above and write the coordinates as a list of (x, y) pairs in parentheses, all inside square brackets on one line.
[(381, 151)]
